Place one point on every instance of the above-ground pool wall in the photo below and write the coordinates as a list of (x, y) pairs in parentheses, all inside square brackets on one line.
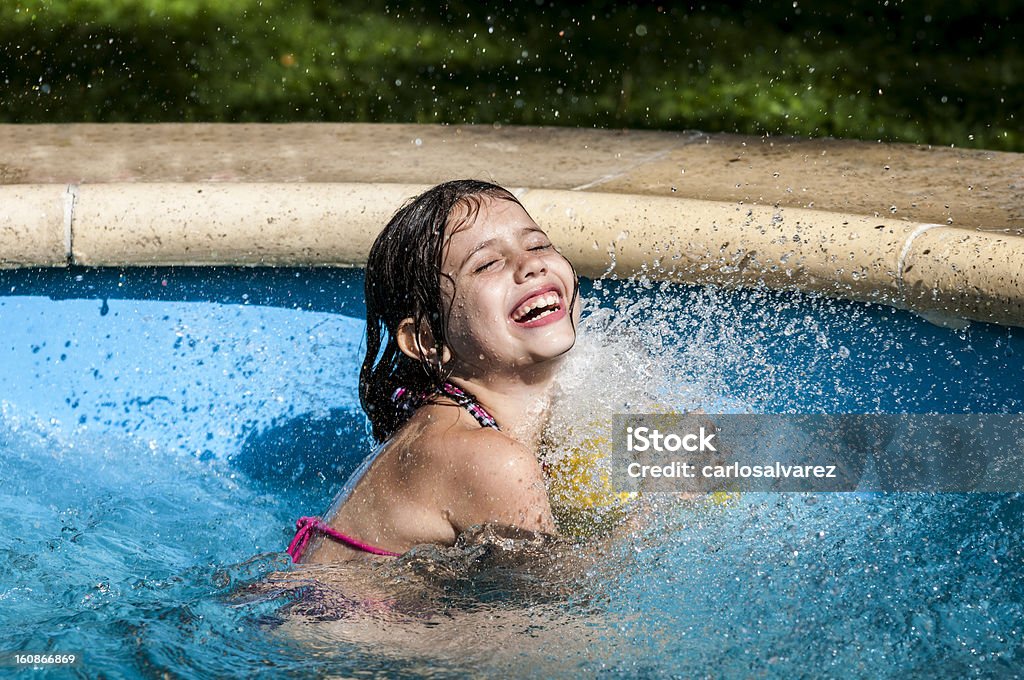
[(257, 367), (254, 366), (933, 230)]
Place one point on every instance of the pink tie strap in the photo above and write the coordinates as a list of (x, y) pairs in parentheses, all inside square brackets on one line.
[(306, 526)]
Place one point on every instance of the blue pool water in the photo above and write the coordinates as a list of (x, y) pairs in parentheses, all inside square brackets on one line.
[(161, 429)]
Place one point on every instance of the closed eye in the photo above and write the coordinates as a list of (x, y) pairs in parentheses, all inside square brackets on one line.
[(484, 267), (543, 247)]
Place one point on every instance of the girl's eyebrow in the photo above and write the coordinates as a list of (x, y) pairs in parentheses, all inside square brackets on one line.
[(489, 242)]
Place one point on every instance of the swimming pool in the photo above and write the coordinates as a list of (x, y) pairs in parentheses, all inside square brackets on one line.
[(161, 429)]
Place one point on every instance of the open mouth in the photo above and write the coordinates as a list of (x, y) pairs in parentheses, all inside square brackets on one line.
[(537, 308)]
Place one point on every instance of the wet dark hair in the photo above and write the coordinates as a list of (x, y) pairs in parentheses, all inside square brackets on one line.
[(403, 280)]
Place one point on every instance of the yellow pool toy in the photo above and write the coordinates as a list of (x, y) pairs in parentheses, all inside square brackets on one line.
[(584, 500)]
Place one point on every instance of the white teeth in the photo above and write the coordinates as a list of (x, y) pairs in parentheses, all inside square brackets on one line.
[(546, 300), (543, 314)]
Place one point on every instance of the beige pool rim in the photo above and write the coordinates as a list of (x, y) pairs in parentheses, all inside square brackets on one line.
[(607, 210)]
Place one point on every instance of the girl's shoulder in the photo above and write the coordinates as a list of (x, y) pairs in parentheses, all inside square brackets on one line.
[(474, 474), (481, 475)]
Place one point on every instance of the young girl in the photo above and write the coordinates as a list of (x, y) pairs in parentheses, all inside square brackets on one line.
[(469, 310)]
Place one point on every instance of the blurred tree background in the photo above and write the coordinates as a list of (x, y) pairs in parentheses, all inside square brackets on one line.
[(939, 72)]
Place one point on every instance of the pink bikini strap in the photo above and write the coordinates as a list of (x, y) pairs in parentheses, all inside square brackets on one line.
[(408, 401), (307, 526)]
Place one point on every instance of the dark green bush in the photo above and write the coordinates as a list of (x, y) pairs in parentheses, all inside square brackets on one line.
[(932, 72)]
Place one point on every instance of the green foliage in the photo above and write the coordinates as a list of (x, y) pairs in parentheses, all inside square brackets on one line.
[(931, 72)]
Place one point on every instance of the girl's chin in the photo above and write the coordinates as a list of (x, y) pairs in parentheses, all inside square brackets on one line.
[(537, 354), (528, 363), (554, 353)]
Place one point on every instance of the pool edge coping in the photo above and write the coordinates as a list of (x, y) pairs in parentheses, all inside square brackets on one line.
[(945, 273)]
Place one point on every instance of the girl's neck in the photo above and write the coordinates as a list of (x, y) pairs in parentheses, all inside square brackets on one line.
[(520, 406)]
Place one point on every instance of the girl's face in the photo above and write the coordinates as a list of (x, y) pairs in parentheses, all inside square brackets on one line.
[(512, 292)]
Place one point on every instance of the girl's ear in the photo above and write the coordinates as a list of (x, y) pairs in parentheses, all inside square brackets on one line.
[(418, 343)]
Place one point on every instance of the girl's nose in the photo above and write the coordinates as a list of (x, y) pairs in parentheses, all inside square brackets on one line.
[(530, 264)]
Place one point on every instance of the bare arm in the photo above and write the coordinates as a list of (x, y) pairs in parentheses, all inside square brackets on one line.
[(496, 480)]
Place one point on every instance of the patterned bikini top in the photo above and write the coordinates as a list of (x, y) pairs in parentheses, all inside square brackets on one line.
[(408, 401)]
